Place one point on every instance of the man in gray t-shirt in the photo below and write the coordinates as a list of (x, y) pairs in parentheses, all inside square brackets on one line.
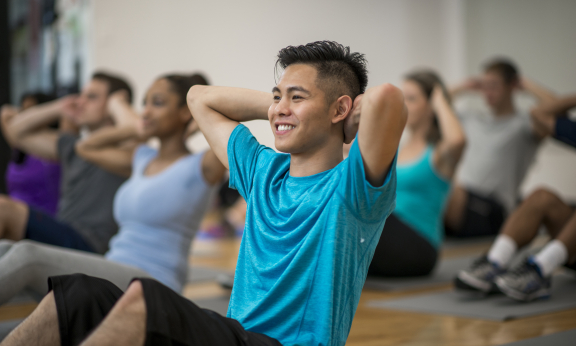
[(84, 220), (500, 147)]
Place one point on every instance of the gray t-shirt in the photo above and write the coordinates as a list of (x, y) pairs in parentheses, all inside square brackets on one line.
[(498, 153), (86, 196)]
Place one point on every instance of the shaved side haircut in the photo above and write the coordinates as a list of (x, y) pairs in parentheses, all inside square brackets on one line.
[(340, 72)]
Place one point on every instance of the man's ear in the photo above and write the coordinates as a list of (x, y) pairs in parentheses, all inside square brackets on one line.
[(343, 107)]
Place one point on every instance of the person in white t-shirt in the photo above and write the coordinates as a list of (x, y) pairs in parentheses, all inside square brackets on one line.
[(501, 147)]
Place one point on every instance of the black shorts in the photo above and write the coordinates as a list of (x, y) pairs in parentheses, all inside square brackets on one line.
[(566, 131), (43, 228), (402, 252), (83, 301), (482, 216)]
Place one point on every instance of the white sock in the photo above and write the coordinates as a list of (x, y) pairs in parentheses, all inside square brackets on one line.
[(502, 251), (553, 255)]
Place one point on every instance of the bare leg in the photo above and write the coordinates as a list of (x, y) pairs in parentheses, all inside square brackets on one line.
[(568, 236), (13, 217), (126, 322), (454, 215), (40, 328), (541, 207)]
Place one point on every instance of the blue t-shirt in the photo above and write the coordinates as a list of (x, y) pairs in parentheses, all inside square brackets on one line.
[(307, 244), (159, 216), (421, 196)]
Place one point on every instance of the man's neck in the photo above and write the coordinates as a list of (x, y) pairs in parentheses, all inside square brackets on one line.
[(315, 161), (505, 109)]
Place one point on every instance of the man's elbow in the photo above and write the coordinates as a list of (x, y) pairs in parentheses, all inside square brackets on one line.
[(387, 93), (194, 95)]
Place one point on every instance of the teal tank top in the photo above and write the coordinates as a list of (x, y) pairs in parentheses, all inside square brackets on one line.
[(421, 195)]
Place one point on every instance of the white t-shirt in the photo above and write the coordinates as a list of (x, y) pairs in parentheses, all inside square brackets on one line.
[(498, 153)]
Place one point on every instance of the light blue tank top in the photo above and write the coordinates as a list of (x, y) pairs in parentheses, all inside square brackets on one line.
[(159, 216), (421, 195)]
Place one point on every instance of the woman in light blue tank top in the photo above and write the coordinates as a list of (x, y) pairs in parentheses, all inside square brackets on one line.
[(158, 209), (413, 233)]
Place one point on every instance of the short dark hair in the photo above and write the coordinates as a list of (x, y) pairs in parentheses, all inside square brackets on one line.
[(115, 83), (182, 83), (332, 61), (505, 68)]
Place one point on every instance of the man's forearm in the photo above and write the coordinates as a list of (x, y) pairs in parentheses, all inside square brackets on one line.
[(561, 105), (34, 118), (108, 137), (542, 94), (234, 103)]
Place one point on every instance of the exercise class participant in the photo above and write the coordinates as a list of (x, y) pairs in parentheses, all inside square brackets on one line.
[(414, 232), (312, 224), (531, 279), (500, 147), (159, 208), (84, 220), (31, 180)]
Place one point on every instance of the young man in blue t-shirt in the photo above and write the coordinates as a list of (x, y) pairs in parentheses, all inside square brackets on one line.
[(312, 223)]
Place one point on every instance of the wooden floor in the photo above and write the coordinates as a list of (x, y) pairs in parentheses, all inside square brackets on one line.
[(373, 327)]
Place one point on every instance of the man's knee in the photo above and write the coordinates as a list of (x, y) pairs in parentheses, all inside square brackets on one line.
[(7, 206), (543, 198), (133, 299)]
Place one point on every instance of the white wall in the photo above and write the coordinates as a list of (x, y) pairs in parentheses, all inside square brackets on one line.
[(235, 42)]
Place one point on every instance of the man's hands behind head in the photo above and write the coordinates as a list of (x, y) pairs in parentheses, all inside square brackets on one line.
[(352, 121)]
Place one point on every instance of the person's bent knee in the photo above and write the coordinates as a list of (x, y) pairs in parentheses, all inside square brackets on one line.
[(133, 298), (543, 197), (6, 205)]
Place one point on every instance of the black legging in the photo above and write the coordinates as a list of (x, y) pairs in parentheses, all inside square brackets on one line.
[(402, 252)]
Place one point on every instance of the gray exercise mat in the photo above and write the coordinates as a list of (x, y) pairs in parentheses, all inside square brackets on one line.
[(567, 338), (494, 307), (443, 273), (7, 326), (453, 242), (197, 274), (218, 304)]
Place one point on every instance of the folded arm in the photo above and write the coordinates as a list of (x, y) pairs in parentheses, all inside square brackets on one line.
[(112, 147), (544, 116), (218, 110), (29, 131), (452, 137), (380, 122)]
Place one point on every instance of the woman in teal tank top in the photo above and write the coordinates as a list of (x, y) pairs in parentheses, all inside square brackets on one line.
[(427, 161)]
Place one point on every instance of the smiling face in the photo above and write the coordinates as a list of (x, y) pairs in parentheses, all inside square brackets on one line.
[(163, 115), (300, 116)]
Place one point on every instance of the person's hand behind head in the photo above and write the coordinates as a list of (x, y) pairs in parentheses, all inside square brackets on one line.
[(117, 103), (353, 120), (437, 98), (8, 112), (69, 107)]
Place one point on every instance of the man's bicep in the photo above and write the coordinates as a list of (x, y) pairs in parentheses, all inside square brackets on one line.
[(43, 144), (217, 130), (381, 126)]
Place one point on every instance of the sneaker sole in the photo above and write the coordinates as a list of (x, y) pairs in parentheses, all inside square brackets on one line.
[(543, 293), (468, 282)]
